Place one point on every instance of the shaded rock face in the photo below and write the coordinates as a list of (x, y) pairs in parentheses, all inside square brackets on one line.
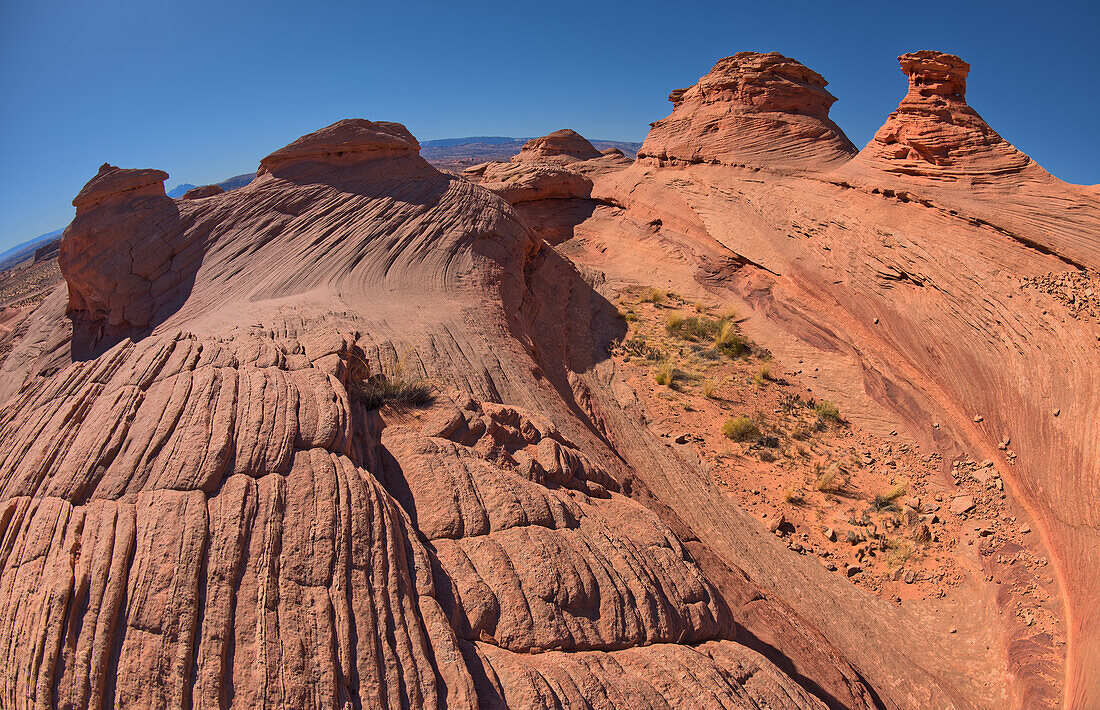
[(117, 272), (934, 133), (562, 146), (763, 110)]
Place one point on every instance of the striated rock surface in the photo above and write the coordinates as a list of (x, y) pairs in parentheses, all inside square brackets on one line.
[(529, 181), (562, 146), (198, 507), (198, 513), (762, 110)]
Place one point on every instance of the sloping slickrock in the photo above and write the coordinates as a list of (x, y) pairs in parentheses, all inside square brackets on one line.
[(903, 293), (194, 511), (763, 110)]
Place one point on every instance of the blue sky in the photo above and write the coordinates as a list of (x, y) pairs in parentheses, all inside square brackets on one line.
[(205, 89)]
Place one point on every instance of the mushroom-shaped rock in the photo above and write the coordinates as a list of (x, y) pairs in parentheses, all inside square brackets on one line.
[(117, 255), (561, 146), (112, 183), (763, 110), (934, 133), (351, 140), (197, 193)]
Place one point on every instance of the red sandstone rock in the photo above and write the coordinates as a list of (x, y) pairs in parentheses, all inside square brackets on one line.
[(754, 109), (561, 146), (344, 142), (934, 132), (196, 509), (197, 193)]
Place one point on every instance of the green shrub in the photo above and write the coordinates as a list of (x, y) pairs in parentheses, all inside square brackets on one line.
[(827, 411), (695, 329), (740, 428), (730, 342)]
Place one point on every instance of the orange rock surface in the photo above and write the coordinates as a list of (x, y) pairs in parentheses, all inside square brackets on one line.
[(201, 507)]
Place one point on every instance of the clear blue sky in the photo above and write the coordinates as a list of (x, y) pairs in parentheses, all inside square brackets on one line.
[(205, 89)]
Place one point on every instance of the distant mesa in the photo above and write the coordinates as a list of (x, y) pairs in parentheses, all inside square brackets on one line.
[(561, 146), (934, 132), (760, 110)]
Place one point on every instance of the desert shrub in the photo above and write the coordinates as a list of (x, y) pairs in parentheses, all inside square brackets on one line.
[(695, 329), (700, 307), (897, 552), (792, 496), (801, 432), (709, 388), (767, 456), (666, 374), (653, 295), (390, 385), (730, 342), (740, 428), (832, 479), (888, 500), (638, 347), (827, 411), (791, 402)]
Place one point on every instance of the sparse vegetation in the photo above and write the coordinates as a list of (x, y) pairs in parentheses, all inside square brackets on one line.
[(390, 385), (700, 307), (897, 552), (801, 432), (666, 374), (709, 388), (767, 456), (730, 342), (831, 480), (695, 329), (791, 402), (653, 295), (740, 428), (828, 412), (793, 496), (888, 500)]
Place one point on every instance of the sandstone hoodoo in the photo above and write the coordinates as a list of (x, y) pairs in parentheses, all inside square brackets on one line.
[(569, 431), (934, 133), (762, 110)]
